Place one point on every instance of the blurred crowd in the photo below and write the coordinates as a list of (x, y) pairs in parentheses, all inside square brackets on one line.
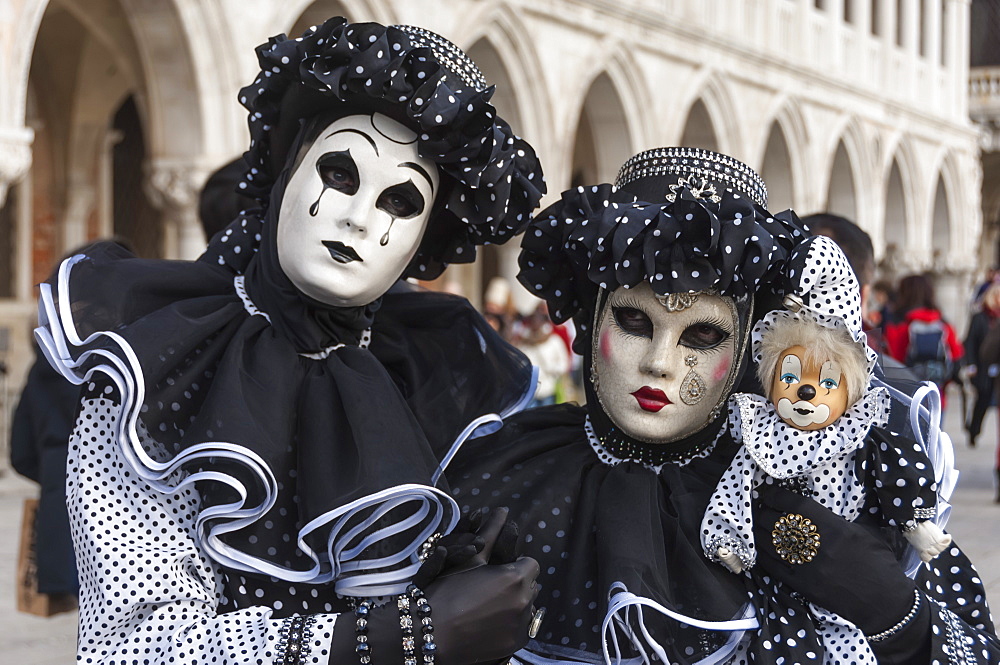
[(548, 345), (905, 323)]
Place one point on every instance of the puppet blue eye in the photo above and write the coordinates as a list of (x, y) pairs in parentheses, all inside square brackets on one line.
[(829, 384), (788, 377)]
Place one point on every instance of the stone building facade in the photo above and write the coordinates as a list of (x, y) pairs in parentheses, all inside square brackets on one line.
[(112, 113)]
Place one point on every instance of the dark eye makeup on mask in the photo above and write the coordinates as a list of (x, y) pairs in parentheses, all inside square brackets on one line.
[(705, 335), (401, 201), (338, 171)]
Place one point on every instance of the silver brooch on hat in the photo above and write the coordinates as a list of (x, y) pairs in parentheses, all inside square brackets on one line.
[(700, 189), (693, 166)]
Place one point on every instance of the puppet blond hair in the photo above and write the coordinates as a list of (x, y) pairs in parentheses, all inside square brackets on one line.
[(821, 344)]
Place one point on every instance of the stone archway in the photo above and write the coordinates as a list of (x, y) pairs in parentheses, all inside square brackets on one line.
[(898, 259), (495, 260), (88, 59), (841, 198), (941, 225), (699, 130), (776, 170), (953, 282), (319, 11), (490, 62), (303, 14), (81, 70), (602, 141)]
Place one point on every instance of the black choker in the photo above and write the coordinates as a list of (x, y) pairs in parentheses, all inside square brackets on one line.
[(614, 446)]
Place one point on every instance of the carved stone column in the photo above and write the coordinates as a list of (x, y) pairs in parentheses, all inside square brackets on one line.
[(899, 262), (15, 156), (174, 188)]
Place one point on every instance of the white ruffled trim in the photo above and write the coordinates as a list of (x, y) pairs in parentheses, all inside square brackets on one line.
[(759, 426), (239, 283), (925, 408), (623, 602), (435, 510), (621, 605)]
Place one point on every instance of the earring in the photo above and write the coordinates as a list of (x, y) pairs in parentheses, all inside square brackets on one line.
[(594, 378), (693, 386)]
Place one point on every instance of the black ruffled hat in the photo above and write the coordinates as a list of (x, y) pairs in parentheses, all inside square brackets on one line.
[(685, 220), (491, 179)]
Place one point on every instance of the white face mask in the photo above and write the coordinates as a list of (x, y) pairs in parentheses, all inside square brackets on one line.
[(661, 373), (355, 210)]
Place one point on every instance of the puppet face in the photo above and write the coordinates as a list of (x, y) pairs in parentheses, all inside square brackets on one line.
[(808, 396), (355, 210), (661, 373)]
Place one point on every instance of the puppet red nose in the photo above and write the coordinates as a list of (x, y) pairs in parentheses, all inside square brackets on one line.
[(806, 392)]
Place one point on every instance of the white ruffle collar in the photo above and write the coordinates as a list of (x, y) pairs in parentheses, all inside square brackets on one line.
[(783, 451)]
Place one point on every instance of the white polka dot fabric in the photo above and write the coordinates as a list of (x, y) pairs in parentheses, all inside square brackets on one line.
[(824, 459), (148, 593)]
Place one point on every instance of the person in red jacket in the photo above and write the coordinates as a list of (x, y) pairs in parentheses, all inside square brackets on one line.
[(923, 340)]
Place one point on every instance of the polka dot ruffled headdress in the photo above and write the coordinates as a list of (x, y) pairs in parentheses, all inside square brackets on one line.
[(491, 179), (819, 284), (684, 220)]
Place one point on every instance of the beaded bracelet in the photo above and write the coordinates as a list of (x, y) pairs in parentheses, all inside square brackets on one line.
[(428, 647), (886, 634), (363, 649), (406, 626)]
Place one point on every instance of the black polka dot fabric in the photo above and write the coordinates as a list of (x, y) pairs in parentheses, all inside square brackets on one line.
[(148, 592), (899, 475), (273, 430), (848, 467), (605, 237), (821, 462)]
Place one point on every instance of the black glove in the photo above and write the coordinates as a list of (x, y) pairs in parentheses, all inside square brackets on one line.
[(464, 547), (481, 607), (854, 573)]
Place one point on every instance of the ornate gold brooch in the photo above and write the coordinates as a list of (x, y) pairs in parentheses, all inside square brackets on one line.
[(795, 538)]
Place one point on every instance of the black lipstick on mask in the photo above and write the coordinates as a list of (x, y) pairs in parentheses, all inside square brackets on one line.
[(340, 252)]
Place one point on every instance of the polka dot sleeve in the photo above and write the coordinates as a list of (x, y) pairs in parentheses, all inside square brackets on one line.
[(962, 628), (902, 477), (148, 594)]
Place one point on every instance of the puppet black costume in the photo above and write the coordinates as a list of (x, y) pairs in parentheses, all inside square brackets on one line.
[(614, 519), (245, 452)]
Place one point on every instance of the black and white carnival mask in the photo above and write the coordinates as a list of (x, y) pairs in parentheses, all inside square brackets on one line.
[(663, 364), (355, 210)]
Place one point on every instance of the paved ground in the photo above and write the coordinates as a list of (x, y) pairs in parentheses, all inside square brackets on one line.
[(29, 640)]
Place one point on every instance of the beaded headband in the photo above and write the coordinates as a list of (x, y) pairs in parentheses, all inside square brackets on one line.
[(450, 56), (699, 170)]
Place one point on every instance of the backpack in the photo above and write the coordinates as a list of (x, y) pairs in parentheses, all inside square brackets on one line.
[(928, 355)]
